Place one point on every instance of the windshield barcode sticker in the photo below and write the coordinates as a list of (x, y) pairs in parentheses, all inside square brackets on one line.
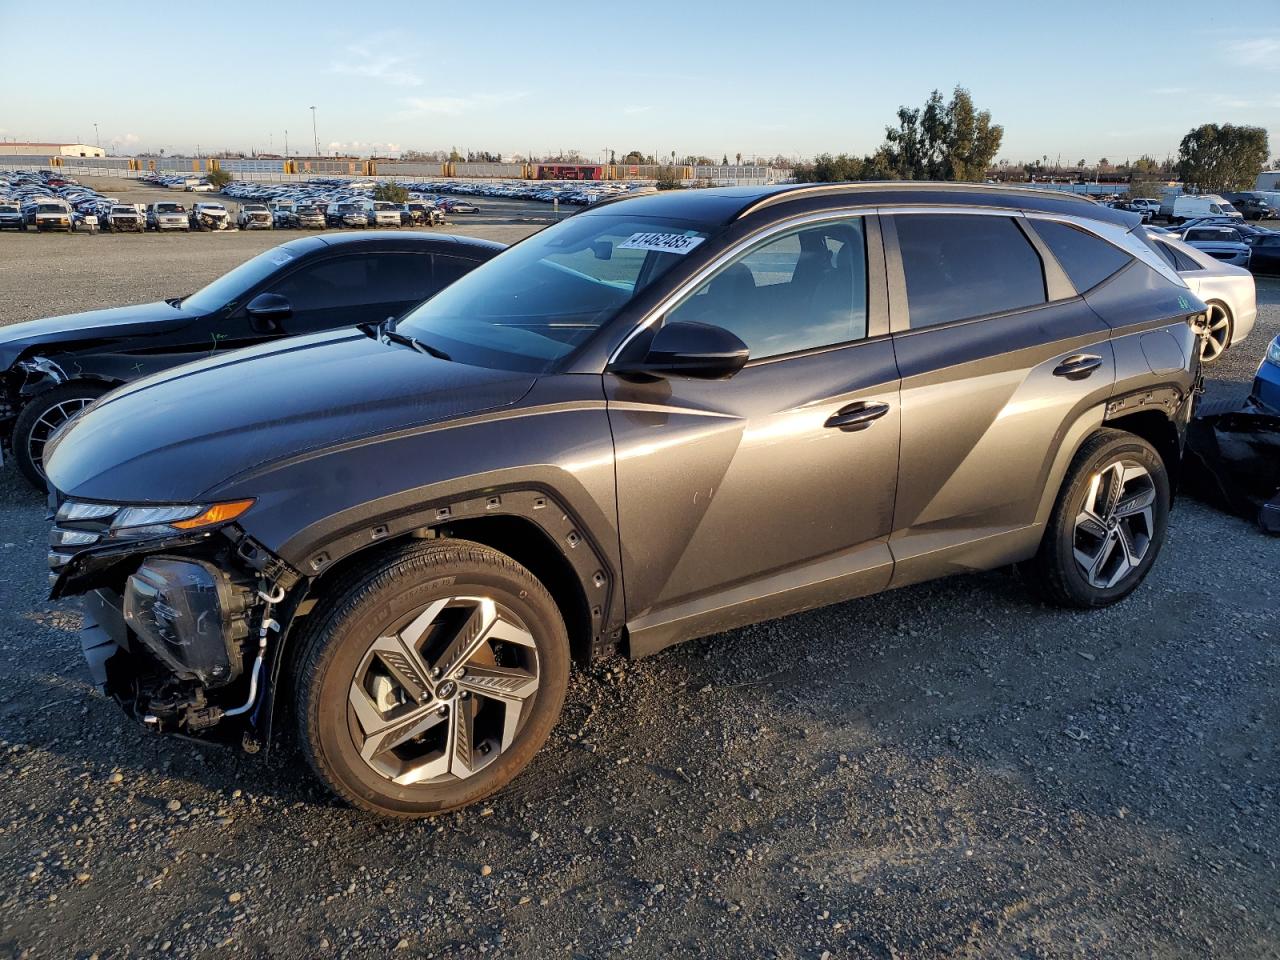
[(663, 242)]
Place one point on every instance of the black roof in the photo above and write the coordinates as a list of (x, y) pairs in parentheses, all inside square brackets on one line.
[(722, 205), (401, 238)]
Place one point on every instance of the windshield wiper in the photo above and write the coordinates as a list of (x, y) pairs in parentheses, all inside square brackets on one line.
[(386, 330)]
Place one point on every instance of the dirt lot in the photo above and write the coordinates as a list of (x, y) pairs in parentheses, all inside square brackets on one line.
[(946, 770)]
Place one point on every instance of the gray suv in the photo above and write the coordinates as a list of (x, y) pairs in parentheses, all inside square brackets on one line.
[(662, 418)]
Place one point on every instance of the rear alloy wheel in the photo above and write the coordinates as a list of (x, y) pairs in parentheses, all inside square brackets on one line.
[(41, 418), (1217, 332), (430, 682), (1107, 526), (1116, 523)]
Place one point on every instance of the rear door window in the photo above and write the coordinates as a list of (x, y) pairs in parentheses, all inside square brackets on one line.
[(1087, 260), (963, 266)]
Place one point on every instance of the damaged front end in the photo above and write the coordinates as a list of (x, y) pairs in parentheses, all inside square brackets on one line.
[(183, 613), (18, 384)]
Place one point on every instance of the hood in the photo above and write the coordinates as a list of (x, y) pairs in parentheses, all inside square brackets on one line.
[(140, 320), (174, 436)]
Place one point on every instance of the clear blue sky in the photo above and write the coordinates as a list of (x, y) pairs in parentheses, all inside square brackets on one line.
[(1090, 80)]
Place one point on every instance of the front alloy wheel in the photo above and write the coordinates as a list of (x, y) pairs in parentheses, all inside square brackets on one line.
[(429, 678), (41, 418), (444, 695)]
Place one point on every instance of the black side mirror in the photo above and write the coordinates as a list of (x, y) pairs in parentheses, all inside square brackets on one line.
[(696, 351), (266, 310)]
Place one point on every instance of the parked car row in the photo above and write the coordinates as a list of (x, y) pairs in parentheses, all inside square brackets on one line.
[(191, 183), (1230, 240), (42, 200)]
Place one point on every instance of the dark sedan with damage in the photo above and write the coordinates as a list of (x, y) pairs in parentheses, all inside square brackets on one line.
[(51, 369)]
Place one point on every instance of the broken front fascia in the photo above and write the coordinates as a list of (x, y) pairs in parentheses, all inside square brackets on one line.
[(43, 366)]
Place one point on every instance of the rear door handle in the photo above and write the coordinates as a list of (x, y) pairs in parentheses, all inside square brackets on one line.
[(857, 416), (1078, 367)]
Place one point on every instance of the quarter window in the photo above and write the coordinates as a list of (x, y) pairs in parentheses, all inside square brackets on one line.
[(800, 291), (1087, 260), (960, 266)]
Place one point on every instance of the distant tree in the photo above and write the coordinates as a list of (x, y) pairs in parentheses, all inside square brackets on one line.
[(942, 141), (635, 156), (219, 178), (826, 168), (724, 161), (738, 159), (455, 156), (1226, 157), (391, 192), (668, 178)]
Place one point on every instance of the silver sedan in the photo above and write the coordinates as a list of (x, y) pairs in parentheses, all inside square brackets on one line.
[(1228, 291)]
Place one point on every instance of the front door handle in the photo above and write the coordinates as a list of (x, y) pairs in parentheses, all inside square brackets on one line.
[(1078, 367), (857, 416)]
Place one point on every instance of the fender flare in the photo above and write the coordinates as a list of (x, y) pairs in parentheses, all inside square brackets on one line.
[(597, 577)]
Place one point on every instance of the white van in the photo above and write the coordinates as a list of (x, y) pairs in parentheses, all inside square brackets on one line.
[(1177, 207)]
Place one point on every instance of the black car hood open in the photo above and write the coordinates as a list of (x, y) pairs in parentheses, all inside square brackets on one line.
[(139, 320), (172, 436)]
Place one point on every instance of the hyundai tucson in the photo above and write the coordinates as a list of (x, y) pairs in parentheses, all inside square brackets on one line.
[(660, 419)]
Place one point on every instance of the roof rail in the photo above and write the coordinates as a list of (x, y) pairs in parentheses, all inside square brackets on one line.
[(791, 192)]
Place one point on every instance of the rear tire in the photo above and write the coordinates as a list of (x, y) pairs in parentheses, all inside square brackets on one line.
[(43, 415), (1221, 328), (1107, 526), (393, 714)]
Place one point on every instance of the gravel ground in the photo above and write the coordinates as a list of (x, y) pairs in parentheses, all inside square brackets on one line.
[(945, 770)]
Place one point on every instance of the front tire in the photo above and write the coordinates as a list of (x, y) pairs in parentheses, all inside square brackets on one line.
[(39, 419), (428, 681), (1108, 525)]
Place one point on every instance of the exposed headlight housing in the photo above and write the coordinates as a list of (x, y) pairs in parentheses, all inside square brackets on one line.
[(192, 616)]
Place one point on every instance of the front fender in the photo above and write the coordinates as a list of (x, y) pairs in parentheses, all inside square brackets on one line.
[(549, 460)]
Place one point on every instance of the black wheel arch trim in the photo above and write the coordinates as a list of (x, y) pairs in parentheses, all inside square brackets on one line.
[(316, 550)]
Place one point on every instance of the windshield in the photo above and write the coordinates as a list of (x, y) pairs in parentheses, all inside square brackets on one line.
[(50, 208), (170, 208), (531, 306), (230, 286)]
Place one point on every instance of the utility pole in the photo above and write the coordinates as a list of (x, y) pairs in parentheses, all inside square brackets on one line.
[(315, 136), (97, 139), (286, 144)]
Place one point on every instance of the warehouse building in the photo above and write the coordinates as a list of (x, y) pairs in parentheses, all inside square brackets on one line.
[(9, 148)]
